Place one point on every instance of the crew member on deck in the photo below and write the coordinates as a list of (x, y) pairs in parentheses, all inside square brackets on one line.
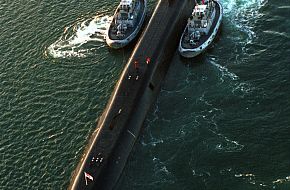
[(136, 66)]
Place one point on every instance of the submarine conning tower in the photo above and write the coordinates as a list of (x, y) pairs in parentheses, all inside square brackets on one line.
[(118, 127)]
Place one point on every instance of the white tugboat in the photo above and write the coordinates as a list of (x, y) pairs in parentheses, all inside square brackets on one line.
[(202, 28), (127, 22)]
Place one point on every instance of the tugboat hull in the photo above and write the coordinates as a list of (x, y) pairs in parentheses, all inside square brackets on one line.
[(120, 43), (193, 52)]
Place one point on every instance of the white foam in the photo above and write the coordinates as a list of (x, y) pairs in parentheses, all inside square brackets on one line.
[(243, 89), (284, 7), (73, 39), (281, 180), (228, 145), (282, 34), (224, 71), (251, 178), (231, 6), (243, 15)]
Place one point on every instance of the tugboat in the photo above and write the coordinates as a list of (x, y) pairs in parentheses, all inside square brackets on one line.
[(126, 23), (202, 28)]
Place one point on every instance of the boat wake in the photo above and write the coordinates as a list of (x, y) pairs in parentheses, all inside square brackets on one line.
[(226, 144), (256, 180), (237, 87), (220, 142), (244, 14), (279, 34), (225, 73), (76, 39)]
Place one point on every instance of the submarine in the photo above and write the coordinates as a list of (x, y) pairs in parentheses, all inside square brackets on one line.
[(117, 130)]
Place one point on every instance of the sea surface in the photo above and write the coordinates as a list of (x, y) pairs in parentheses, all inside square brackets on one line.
[(221, 121)]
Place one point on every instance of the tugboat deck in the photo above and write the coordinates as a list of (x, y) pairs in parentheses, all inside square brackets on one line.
[(185, 44), (130, 30)]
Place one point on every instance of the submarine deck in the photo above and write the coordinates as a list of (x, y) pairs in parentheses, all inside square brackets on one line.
[(118, 127)]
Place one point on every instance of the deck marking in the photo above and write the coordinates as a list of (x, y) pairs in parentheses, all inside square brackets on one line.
[(131, 133)]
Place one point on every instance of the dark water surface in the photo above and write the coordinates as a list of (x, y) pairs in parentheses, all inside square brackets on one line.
[(221, 122)]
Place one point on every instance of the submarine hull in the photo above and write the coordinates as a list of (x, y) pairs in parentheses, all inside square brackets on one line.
[(118, 128)]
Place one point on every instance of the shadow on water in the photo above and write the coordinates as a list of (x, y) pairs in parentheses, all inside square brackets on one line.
[(193, 62)]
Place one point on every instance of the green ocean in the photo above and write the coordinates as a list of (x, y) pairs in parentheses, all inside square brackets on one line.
[(220, 122)]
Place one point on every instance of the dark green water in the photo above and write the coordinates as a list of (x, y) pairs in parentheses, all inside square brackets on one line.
[(221, 121)]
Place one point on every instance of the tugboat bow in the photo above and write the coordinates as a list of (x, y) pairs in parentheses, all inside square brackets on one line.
[(202, 28), (127, 22)]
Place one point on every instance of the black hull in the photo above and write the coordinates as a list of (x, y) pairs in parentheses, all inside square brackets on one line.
[(188, 51), (122, 120), (119, 42)]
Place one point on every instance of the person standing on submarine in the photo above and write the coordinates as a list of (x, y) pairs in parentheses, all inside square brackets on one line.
[(136, 66)]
